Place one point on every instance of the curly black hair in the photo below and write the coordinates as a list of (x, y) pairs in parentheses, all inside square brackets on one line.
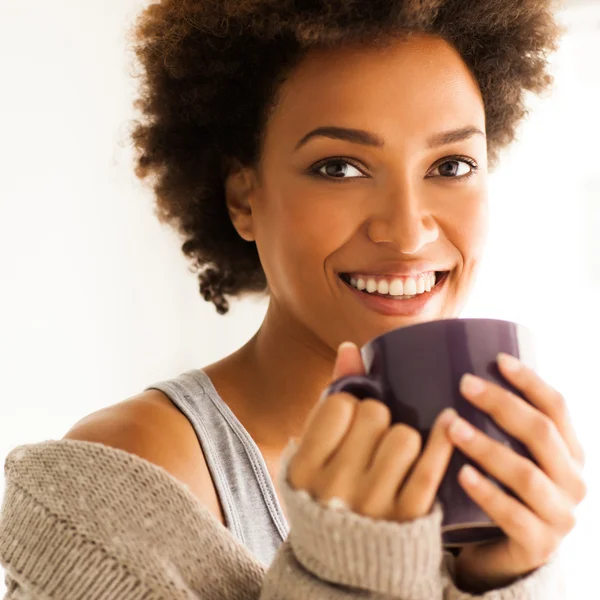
[(210, 72)]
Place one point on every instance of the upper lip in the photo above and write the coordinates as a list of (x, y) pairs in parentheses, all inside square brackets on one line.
[(399, 269)]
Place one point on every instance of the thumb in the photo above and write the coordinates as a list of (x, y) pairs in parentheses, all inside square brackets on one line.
[(348, 361)]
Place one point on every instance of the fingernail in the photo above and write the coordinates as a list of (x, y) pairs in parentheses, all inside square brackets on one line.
[(509, 362), (447, 416), (345, 345), (460, 430), (469, 475), (471, 385)]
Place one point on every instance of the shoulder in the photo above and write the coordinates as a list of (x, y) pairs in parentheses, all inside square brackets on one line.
[(150, 426), (140, 425)]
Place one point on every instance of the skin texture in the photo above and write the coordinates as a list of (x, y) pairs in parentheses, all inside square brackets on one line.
[(395, 207), (203, 98), (393, 204), (405, 94), (350, 451)]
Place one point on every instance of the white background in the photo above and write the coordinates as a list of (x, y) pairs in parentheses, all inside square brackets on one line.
[(96, 298)]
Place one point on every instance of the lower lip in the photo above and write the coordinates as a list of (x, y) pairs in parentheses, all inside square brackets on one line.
[(392, 307)]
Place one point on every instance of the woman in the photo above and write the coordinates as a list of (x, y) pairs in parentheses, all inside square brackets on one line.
[(247, 107)]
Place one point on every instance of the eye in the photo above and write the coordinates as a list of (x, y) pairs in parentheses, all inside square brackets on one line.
[(337, 168), (455, 167)]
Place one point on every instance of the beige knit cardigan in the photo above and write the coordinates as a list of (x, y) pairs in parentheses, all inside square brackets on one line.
[(81, 520)]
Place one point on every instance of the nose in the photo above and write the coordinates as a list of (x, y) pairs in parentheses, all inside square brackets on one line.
[(404, 221)]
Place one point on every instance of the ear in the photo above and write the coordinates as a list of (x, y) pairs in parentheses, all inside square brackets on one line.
[(239, 189)]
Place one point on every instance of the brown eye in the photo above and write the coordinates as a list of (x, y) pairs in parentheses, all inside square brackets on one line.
[(338, 169), (454, 169)]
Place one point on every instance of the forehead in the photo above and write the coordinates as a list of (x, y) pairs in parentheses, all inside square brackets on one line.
[(411, 88)]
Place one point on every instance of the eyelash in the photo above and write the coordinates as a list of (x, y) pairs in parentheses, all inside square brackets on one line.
[(340, 159)]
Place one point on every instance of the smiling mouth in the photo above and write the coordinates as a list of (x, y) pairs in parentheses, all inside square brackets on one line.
[(395, 288)]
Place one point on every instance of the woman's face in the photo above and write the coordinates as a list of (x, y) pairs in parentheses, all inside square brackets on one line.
[(394, 192)]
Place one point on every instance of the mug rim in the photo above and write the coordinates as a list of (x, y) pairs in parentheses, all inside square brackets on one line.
[(518, 325)]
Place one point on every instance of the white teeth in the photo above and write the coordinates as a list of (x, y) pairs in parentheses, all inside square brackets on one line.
[(407, 287), (383, 287), (396, 287), (371, 285), (410, 287)]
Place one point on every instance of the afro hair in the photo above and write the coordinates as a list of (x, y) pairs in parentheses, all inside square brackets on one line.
[(210, 71)]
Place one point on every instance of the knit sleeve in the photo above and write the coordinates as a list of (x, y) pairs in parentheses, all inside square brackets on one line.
[(83, 520), (545, 583), (333, 552), (13, 590)]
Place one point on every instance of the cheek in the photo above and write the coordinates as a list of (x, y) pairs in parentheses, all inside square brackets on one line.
[(465, 228), (297, 230), (476, 233), (466, 224), (303, 227)]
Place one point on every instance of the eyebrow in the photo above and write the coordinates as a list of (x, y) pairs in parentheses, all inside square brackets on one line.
[(456, 135), (366, 138)]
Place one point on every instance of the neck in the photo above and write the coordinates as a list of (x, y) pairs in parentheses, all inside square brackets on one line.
[(274, 380)]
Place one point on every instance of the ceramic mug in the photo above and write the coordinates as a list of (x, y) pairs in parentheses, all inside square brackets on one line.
[(415, 371)]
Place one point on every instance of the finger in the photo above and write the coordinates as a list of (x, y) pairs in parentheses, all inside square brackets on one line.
[(371, 420), (392, 460), (520, 524), (532, 427), (419, 492), (529, 482), (544, 397), (348, 361), (328, 425)]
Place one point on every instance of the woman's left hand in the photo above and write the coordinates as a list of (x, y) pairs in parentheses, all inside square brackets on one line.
[(549, 492)]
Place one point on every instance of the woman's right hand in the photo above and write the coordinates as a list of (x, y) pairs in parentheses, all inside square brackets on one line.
[(349, 451)]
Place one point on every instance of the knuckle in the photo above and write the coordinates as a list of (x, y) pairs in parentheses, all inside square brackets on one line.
[(338, 407), (340, 401), (375, 411), (544, 429), (517, 519), (408, 438), (570, 521), (581, 490), (559, 403), (530, 480), (546, 546)]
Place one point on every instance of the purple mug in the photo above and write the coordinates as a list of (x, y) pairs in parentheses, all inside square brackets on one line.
[(416, 370)]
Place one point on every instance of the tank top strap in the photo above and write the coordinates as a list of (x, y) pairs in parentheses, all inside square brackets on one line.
[(247, 494)]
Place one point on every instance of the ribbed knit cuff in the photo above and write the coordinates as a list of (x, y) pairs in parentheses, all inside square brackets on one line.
[(342, 547), (547, 583)]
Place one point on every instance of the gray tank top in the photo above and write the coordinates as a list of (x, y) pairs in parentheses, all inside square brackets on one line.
[(243, 483)]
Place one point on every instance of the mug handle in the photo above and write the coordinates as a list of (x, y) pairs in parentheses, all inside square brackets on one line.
[(360, 386)]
